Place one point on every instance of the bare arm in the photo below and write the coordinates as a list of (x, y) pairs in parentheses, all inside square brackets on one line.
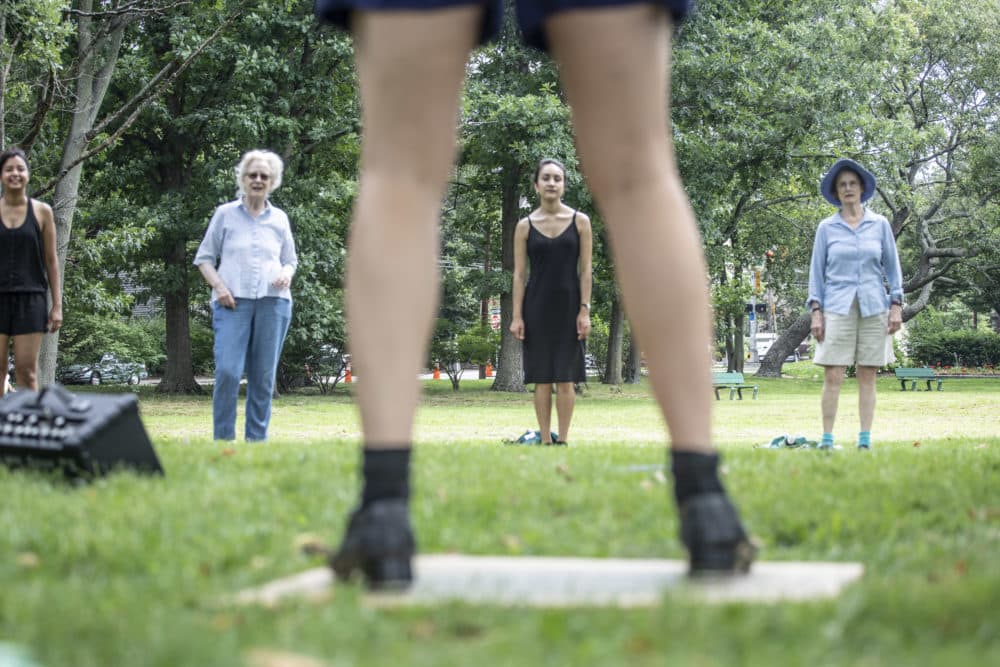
[(586, 271), (222, 294), (289, 261), (47, 222), (520, 278)]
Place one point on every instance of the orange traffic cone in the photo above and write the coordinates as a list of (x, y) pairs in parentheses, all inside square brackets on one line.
[(489, 369), (347, 375), (437, 371)]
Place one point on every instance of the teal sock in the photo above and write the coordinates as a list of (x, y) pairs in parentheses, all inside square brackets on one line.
[(864, 439), (827, 440)]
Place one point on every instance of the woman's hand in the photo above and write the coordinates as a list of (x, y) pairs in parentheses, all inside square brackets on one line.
[(583, 324), (818, 326), (284, 278), (55, 319), (224, 297), (517, 328), (895, 318)]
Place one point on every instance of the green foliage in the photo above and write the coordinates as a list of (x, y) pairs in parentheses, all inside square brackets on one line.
[(943, 336), (956, 348), (325, 367), (34, 36), (450, 350), (477, 345), (87, 336), (202, 343), (934, 320), (597, 342)]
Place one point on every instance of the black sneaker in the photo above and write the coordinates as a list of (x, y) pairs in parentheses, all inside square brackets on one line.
[(714, 537), (379, 543)]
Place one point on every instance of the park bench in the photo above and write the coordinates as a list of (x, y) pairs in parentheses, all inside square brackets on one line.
[(732, 381), (914, 375)]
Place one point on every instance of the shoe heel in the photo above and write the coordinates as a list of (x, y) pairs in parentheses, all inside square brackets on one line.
[(721, 560), (391, 573)]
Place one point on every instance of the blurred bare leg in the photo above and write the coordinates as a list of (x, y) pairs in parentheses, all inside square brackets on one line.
[(411, 66), (614, 66)]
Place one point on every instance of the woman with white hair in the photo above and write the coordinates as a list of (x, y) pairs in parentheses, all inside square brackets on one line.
[(248, 258)]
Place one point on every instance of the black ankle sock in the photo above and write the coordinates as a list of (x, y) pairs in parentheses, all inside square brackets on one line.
[(386, 474), (694, 473)]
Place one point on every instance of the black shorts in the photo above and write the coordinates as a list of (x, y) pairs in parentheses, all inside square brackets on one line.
[(531, 14), (23, 313)]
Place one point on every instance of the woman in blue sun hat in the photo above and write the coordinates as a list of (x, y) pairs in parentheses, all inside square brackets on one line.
[(853, 316)]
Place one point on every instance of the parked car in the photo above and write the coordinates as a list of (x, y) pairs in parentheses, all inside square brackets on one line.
[(764, 343), (109, 370)]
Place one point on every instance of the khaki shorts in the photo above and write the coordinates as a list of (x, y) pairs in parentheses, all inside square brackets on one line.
[(854, 340)]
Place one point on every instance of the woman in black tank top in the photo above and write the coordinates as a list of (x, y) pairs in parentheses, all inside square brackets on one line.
[(28, 269), (552, 303)]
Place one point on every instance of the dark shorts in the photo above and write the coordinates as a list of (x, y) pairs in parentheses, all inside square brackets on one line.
[(23, 313), (531, 14)]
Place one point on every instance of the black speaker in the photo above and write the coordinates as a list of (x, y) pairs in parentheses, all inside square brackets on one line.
[(81, 435)]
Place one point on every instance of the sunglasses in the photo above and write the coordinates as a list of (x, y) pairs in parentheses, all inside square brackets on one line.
[(258, 175)]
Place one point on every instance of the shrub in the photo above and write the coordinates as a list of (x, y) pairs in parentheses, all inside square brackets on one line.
[(85, 337), (597, 342), (475, 345), (956, 348)]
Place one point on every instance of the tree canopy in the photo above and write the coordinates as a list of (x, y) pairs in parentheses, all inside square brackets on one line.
[(135, 112)]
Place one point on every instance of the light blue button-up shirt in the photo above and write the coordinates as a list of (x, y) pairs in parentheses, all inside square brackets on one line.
[(252, 252), (855, 263)]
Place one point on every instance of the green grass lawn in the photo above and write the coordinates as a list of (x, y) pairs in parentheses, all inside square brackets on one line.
[(130, 570)]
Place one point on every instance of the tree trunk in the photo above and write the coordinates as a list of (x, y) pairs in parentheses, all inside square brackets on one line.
[(616, 335), (178, 373), (93, 75), (734, 346), (484, 303), (633, 369), (770, 365), (510, 370)]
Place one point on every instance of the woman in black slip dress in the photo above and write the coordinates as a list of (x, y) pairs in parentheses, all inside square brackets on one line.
[(28, 270), (552, 304)]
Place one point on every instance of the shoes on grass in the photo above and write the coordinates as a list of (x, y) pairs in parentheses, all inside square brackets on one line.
[(534, 438), (715, 539), (379, 545), (865, 448)]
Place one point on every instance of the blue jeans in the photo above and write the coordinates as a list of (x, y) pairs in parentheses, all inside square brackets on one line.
[(249, 338)]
